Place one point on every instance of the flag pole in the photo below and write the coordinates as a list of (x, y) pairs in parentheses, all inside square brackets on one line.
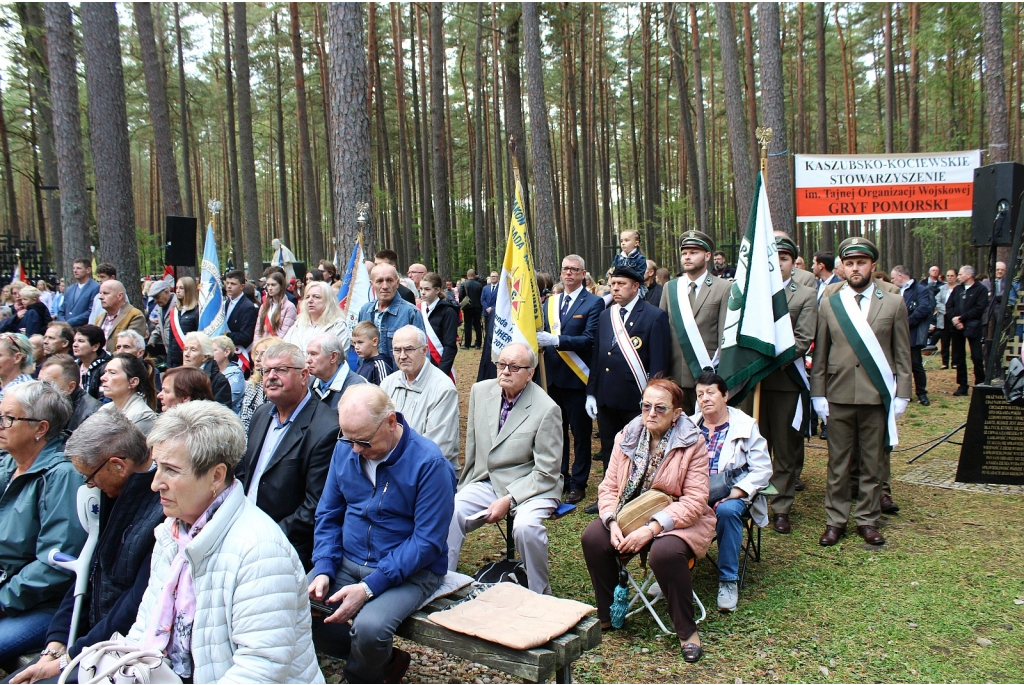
[(764, 136), (540, 356)]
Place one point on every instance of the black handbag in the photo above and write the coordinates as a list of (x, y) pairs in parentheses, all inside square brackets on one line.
[(504, 571), (722, 482), (1013, 387)]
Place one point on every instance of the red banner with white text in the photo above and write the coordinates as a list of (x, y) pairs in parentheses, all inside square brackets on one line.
[(897, 186)]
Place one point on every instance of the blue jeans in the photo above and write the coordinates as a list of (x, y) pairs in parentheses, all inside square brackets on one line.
[(730, 537), (23, 633)]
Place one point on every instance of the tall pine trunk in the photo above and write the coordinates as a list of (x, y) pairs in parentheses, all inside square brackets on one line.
[(12, 200), (282, 173), (407, 240), (108, 135), (479, 239), (683, 97), (545, 256), (703, 216), (438, 139), (780, 171), (512, 90), (247, 154), (827, 227), (235, 214), (183, 114), (995, 82), (67, 133), (739, 138), (309, 190), (159, 111), (350, 125)]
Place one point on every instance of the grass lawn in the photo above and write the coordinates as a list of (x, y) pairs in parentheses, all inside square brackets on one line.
[(941, 601)]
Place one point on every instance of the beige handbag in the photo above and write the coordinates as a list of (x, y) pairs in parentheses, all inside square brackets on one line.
[(638, 512)]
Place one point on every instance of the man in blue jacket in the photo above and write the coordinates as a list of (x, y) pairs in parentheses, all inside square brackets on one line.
[(920, 307), (380, 542), (388, 312), (78, 296)]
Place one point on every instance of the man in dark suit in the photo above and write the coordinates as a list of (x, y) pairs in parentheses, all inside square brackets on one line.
[(615, 386), (291, 440), (653, 287), (489, 296), (920, 308), (965, 309), (822, 264), (472, 289), (79, 295), (240, 311), (570, 328), (329, 375)]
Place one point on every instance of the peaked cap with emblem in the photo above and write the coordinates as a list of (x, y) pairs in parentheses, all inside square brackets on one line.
[(785, 244), (858, 246), (697, 239)]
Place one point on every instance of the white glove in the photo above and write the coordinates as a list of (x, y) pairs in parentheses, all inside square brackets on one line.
[(820, 405), (901, 405), (545, 339), (591, 406)]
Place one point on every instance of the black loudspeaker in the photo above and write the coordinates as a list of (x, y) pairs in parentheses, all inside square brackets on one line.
[(997, 203), (180, 248)]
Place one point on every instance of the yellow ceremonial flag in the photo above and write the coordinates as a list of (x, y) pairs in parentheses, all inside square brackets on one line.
[(517, 312)]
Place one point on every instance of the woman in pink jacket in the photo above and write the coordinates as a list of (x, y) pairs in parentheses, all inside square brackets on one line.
[(661, 449)]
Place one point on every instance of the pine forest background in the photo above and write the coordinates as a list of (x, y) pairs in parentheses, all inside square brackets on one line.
[(624, 116)]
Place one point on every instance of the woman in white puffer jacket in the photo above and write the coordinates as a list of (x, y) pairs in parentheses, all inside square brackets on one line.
[(226, 601)]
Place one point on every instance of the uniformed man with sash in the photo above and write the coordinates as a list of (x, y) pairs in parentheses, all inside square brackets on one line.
[(570, 329), (785, 394), (696, 304), (631, 347), (861, 383)]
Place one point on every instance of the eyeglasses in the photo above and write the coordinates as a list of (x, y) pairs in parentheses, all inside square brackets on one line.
[(280, 370), (89, 478), (365, 444), (404, 351), (513, 368), (571, 269), (656, 409), (6, 420)]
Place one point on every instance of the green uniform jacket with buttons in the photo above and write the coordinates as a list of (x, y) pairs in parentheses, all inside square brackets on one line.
[(803, 313), (709, 314), (38, 512), (837, 373)]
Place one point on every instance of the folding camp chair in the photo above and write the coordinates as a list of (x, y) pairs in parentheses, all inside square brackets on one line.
[(751, 548), (929, 356), (640, 595)]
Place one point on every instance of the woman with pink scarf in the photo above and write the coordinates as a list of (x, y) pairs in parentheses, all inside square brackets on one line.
[(226, 601)]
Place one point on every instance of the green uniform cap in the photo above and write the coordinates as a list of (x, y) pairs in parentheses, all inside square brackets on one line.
[(697, 239), (858, 246)]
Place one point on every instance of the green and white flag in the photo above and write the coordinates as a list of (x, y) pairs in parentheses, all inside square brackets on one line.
[(758, 336)]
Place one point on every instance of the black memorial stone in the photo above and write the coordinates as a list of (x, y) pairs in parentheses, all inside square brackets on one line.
[(993, 447)]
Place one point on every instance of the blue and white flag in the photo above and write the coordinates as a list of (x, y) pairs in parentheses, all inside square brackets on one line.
[(211, 298), (355, 291)]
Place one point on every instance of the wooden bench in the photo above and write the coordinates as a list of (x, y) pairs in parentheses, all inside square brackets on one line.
[(538, 665)]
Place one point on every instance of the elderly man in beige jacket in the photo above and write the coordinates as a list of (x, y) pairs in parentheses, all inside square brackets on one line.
[(513, 461)]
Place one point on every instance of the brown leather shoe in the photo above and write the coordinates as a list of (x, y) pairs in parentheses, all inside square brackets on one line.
[(780, 522), (800, 485), (870, 535), (831, 535), (575, 495), (396, 668), (888, 506)]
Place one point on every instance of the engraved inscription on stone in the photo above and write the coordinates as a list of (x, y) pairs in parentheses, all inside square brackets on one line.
[(993, 446)]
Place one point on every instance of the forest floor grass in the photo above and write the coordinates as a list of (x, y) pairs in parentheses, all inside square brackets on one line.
[(941, 601)]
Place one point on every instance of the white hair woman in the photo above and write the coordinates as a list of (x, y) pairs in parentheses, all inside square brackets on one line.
[(320, 314), (37, 513), (198, 353), (224, 356), (241, 614)]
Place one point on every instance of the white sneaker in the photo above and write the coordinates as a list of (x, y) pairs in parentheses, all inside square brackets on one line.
[(654, 590), (728, 595)]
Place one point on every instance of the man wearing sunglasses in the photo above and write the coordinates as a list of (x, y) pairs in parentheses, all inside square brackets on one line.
[(380, 535), (513, 460), (290, 442)]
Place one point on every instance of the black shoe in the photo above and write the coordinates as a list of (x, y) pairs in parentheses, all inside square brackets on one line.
[(575, 496), (800, 485), (592, 509), (961, 391), (466, 347), (923, 399), (824, 432)]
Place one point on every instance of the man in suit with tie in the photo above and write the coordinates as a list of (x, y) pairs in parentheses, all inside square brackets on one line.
[(823, 264), (619, 371), (570, 328), (79, 295), (513, 450), (330, 377), (965, 310), (785, 388), (860, 383), (240, 312), (696, 304), (489, 296), (288, 453)]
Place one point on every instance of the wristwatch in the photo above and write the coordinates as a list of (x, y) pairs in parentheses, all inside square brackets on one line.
[(367, 590), (51, 652), (64, 661)]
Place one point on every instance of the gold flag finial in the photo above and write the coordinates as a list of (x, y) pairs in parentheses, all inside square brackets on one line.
[(764, 136)]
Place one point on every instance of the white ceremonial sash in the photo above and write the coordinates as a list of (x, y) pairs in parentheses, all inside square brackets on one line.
[(877, 357), (630, 354), (434, 345), (571, 359), (798, 417), (690, 324)]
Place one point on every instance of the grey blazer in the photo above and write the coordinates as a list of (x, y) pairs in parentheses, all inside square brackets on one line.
[(524, 458)]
